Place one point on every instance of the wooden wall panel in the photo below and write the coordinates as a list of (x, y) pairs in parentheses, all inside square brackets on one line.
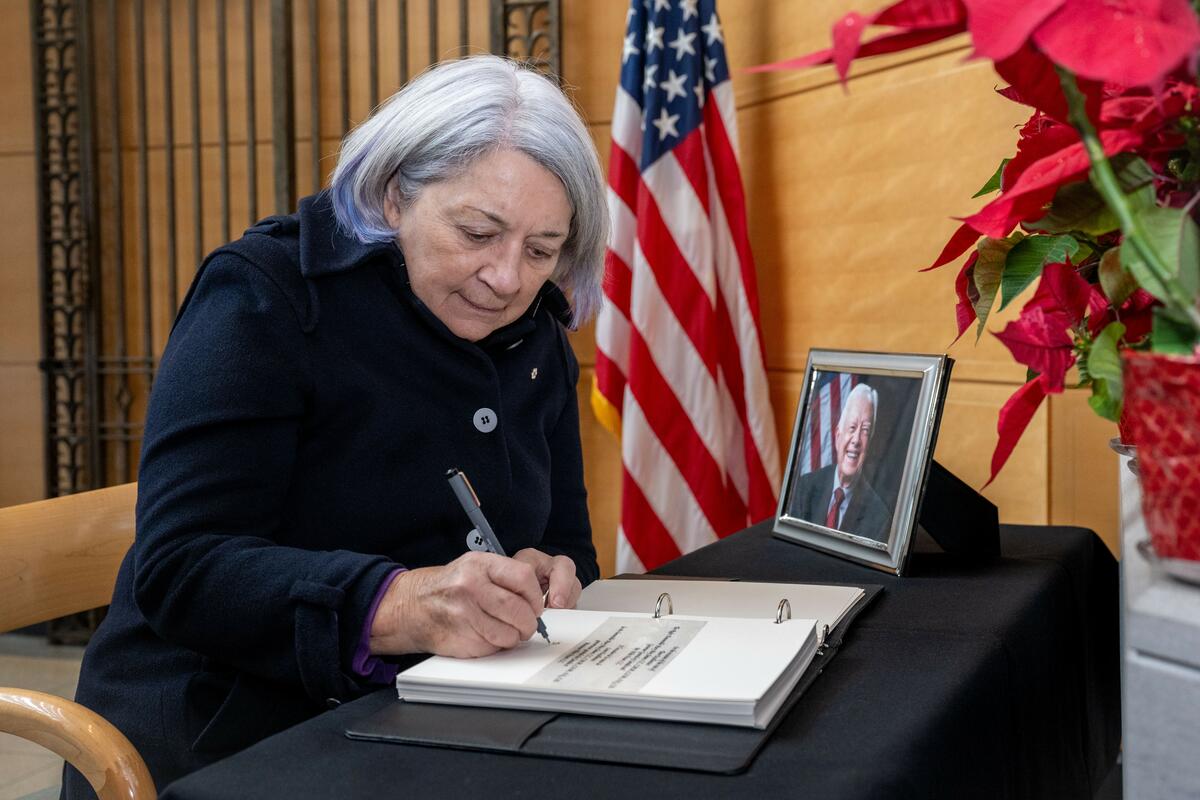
[(21, 457), (1083, 469), (21, 341), (21, 454), (849, 195)]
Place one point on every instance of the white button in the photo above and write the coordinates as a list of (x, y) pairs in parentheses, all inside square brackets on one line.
[(485, 420), (476, 542)]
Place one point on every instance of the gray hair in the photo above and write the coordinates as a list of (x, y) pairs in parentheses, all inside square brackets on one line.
[(452, 114), (866, 392)]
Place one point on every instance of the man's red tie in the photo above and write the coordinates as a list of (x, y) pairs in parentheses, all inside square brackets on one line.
[(831, 519)]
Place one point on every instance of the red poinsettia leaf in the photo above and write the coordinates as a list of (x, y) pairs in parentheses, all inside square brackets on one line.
[(1137, 313), (1034, 82), (1041, 137), (959, 243), (886, 43), (1040, 339), (847, 33), (1063, 290), (999, 27), (1014, 418), (923, 14), (964, 311), (1025, 200), (1129, 43)]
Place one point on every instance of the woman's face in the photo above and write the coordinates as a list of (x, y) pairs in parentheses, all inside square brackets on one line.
[(479, 246)]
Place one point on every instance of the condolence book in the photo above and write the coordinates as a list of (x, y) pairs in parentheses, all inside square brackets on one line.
[(713, 666), (741, 697)]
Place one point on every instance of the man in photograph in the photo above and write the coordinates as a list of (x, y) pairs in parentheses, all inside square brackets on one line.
[(838, 496)]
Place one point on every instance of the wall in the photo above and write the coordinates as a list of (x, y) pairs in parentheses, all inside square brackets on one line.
[(850, 193), (21, 477)]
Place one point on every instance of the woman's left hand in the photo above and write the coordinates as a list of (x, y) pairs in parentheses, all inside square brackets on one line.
[(556, 574)]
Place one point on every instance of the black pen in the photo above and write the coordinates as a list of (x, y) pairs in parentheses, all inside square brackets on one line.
[(470, 503)]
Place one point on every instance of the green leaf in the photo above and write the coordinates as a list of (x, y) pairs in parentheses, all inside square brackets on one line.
[(989, 266), (1026, 259), (1117, 284), (1104, 368), (993, 182), (1173, 235), (1103, 359), (1079, 207), (1104, 402), (1136, 179), (1170, 335)]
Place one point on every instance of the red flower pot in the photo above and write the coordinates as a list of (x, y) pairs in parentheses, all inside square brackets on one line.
[(1162, 401)]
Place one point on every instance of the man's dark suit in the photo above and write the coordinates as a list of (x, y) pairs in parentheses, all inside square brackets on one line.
[(867, 515)]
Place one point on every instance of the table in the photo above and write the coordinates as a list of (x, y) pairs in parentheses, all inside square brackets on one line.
[(998, 680)]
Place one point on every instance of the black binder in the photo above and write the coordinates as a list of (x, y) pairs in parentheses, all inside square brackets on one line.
[(615, 740)]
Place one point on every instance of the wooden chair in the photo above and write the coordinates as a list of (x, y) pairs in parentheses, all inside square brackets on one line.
[(58, 557)]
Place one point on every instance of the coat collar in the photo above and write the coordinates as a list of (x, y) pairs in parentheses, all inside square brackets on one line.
[(325, 248)]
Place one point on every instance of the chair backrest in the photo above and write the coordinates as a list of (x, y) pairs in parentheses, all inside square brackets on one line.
[(57, 557), (60, 556), (81, 736)]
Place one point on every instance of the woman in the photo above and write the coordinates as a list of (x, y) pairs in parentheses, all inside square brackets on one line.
[(295, 529)]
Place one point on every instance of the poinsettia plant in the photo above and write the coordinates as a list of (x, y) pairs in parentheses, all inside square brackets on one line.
[(1098, 205)]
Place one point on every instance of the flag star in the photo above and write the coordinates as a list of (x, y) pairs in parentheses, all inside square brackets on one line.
[(666, 124), (682, 43), (654, 37), (710, 70), (674, 86), (713, 30), (629, 15), (699, 90), (662, 5), (650, 82), (630, 48), (689, 9)]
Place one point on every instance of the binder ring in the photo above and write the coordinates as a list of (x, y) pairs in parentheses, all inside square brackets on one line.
[(658, 606), (784, 605)]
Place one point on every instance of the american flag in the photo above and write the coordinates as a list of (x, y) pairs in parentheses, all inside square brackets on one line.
[(679, 363), (824, 409)]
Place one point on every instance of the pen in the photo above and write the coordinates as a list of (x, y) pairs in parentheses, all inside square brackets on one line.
[(470, 503)]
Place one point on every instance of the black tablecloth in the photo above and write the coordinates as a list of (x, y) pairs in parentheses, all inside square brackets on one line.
[(959, 681)]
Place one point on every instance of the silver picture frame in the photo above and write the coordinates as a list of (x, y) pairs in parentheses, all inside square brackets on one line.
[(881, 464)]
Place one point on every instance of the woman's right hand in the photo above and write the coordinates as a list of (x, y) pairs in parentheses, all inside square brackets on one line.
[(475, 605)]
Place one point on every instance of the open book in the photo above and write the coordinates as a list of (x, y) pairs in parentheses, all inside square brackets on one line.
[(654, 662)]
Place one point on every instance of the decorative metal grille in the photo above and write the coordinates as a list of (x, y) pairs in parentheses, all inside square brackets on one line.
[(529, 30), (124, 146), (66, 266)]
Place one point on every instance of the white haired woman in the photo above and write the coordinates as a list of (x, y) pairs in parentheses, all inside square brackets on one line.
[(296, 534)]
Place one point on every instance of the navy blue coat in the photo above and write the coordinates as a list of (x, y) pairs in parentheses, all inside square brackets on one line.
[(305, 411)]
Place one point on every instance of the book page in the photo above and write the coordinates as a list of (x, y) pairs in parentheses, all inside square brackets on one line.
[(719, 658), (622, 654), (701, 598)]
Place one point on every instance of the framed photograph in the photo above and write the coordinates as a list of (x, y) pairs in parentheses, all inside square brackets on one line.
[(860, 454)]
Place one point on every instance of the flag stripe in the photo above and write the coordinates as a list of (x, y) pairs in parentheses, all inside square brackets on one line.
[(733, 200), (679, 349), (679, 438), (654, 544), (664, 489)]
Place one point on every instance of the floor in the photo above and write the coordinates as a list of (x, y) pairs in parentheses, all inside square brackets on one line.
[(28, 771)]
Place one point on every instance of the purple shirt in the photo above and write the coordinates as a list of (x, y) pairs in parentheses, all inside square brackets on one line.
[(365, 665)]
